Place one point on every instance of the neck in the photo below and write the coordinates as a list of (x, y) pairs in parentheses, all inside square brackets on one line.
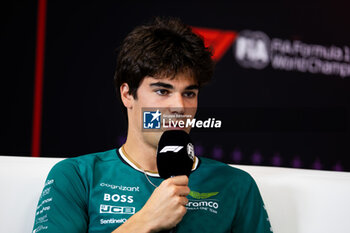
[(142, 154)]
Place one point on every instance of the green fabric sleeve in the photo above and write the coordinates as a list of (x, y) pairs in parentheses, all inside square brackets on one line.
[(252, 216), (62, 206)]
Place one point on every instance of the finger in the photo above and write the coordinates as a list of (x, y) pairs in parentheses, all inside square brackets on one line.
[(175, 190), (183, 191), (183, 201), (179, 180)]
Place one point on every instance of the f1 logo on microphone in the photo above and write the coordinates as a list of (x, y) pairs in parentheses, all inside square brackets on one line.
[(174, 149)]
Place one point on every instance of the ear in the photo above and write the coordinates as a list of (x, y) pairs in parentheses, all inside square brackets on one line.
[(126, 97)]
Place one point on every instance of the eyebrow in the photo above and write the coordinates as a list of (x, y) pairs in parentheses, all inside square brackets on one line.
[(169, 86)]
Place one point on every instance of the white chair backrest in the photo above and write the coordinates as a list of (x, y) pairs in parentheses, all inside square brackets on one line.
[(297, 200)]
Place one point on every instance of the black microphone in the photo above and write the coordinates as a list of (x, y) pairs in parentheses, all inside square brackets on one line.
[(175, 156)]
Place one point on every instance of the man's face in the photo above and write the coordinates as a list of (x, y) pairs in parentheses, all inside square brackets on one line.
[(177, 96)]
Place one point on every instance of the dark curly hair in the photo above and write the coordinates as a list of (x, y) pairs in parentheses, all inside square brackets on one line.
[(162, 48)]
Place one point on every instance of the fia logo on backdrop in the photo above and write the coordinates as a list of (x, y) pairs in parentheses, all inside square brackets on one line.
[(252, 49), (151, 119)]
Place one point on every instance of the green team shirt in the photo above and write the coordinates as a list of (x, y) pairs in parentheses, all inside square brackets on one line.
[(99, 192)]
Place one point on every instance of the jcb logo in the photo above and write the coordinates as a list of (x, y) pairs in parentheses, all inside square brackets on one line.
[(109, 209), (174, 149)]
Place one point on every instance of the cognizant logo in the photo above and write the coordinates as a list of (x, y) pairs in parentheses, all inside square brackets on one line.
[(121, 187)]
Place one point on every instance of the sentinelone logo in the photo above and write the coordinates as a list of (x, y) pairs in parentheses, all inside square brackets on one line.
[(156, 120), (255, 50)]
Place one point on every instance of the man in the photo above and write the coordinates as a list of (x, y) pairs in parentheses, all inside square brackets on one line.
[(160, 65)]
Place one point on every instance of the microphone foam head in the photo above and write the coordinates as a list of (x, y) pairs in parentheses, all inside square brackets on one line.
[(175, 154)]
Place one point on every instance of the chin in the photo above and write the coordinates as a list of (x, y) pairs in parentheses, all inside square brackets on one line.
[(152, 138)]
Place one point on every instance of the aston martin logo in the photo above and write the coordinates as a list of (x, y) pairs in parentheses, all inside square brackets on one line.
[(198, 195)]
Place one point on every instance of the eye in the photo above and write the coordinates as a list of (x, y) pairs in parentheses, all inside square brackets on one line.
[(189, 94), (162, 92)]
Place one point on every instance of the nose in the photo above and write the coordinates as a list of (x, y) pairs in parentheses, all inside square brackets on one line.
[(177, 104)]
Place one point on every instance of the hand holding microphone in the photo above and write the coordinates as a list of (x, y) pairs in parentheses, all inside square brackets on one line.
[(166, 206), (175, 156)]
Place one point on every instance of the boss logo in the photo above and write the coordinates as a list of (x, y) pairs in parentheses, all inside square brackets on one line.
[(118, 198)]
